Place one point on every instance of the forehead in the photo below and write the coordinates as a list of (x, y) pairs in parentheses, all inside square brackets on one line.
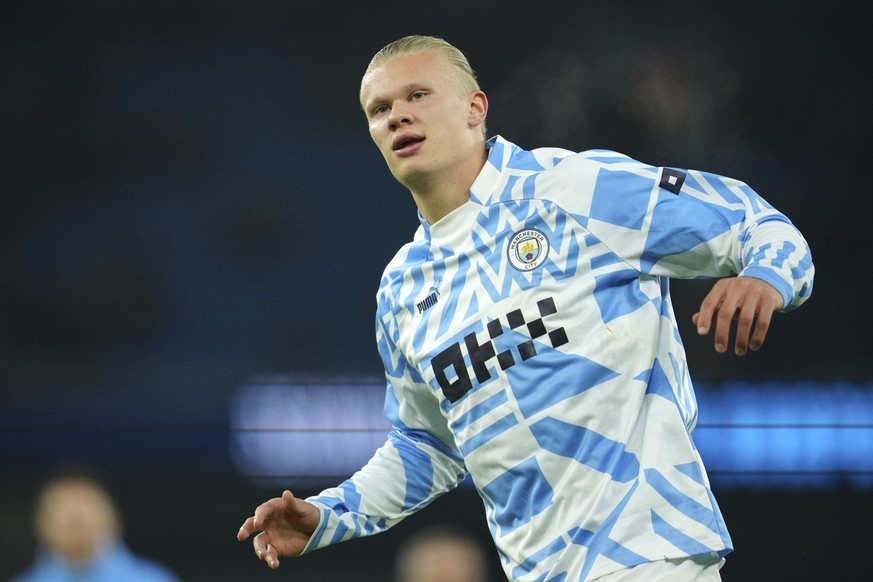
[(73, 491), (398, 73)]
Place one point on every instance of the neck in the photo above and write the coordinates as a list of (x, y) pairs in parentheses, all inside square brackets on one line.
[(438, 195)]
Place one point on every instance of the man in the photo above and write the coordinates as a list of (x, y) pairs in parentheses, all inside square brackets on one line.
[(529, 340), (440, 554), (79, 531)]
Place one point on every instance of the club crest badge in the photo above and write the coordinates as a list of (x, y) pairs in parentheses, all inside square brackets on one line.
[(528, 249)]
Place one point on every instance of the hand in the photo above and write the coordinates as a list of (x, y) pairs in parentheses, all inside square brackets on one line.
[(286, 524), (749, 301)]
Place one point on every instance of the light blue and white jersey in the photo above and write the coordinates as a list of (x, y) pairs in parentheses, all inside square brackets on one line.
[(529, 341)]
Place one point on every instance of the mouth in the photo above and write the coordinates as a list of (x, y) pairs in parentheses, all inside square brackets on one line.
[(402, 142)]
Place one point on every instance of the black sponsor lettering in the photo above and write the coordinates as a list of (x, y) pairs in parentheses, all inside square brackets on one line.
[(479, 354)]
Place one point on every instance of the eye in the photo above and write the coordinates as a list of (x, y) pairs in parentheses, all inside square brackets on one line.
[(417, 96), (380, 109)]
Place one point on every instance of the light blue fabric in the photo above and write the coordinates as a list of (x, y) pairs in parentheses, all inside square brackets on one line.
[(115, 563), (530, 343)]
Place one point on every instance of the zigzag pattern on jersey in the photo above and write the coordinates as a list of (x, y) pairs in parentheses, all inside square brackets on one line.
[(498, 223), (485, 270)]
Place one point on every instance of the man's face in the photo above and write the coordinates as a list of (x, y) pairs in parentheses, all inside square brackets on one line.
[(419, 116), (75, 519)]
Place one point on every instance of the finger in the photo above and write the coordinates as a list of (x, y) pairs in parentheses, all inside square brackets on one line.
[(708, 309), (723, 320), (246, 530), (703, 318), (271, 556), (289, 502), (745, 320), (762, 325), (263, 513), (292, 506), (259, 543)]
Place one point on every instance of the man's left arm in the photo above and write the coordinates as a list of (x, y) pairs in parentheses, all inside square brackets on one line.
[(767, 252), (691, 224)]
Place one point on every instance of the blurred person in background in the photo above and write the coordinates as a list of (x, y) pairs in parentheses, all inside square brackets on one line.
[(440, 554), (79, 534), (530, 342)]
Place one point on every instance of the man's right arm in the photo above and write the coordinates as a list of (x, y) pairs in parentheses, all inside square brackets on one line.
[(406, 474), (417, 463)]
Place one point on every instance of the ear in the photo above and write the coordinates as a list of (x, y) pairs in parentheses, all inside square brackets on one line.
[(478, 109)]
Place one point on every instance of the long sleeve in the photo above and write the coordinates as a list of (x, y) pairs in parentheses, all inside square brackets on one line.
[(404, 475), (689, 224), (417, 463)]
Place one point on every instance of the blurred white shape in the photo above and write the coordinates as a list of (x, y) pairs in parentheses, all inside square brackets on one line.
[(287, 431)]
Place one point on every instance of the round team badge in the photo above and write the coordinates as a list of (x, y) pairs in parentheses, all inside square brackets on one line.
[(528, 249)]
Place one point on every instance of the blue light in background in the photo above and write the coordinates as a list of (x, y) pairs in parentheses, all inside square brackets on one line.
[(802, 435), (755, 435)]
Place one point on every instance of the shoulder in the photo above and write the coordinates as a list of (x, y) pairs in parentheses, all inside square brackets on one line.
[(122, 564), (411, 253), (151, 571), (141, 569), (516, 158), (45, 568), (28, 576), (576, 180), (549, 172)]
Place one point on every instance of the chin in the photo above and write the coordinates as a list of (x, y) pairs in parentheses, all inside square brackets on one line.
[(408, 175)]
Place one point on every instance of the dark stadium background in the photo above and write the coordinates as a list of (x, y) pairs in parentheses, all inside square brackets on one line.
[(189, 198)]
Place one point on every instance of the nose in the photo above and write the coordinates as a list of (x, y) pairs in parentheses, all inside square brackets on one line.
[(400, 115)]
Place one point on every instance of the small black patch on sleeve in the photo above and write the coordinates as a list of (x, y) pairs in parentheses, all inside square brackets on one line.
[(672, 180)]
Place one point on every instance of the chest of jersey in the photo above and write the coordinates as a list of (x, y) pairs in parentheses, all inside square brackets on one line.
[(513, 287)]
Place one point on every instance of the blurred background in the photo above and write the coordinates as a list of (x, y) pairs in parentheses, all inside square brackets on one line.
[(190, 206)]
